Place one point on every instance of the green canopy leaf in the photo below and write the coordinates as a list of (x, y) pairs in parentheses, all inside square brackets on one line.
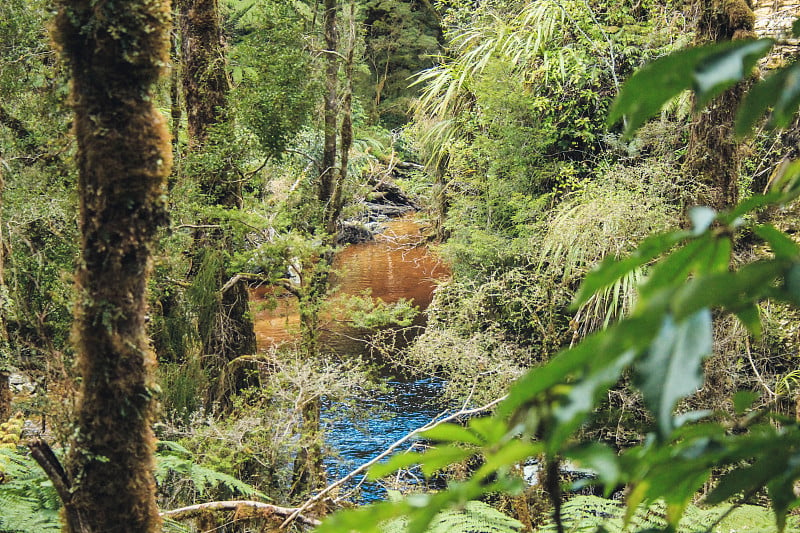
[(672, 367)]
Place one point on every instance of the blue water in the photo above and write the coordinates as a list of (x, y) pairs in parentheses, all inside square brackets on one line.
[(409, 405)]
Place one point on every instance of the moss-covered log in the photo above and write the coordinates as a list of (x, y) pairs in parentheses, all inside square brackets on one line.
[(116, 51)]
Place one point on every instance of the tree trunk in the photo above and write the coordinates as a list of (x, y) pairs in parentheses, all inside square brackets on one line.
[(116, 51), (205, 88), (329, 176), (6, 359), (713, 157)]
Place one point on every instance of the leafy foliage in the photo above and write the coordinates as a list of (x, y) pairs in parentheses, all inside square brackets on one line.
[(664, 342), (474, 516), (28, 499), (178, 461)]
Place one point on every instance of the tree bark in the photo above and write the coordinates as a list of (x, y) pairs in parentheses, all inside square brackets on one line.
[(6, 359), (713, 157), (205, 89), (116, 52), (329, 174)]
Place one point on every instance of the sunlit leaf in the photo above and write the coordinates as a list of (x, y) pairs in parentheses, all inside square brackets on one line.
[(452, 433)]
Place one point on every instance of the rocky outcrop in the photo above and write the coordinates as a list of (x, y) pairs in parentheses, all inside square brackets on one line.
[(774, 19)]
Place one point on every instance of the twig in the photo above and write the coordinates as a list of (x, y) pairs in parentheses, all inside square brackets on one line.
[(430, 425), (772, 395), (193, 511)]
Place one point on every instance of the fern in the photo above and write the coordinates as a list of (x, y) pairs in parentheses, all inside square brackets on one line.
[(179, 461), (474, 517), (27, 498), (588, 513)]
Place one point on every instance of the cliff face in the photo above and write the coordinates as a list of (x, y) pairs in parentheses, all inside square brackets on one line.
[(774, 19)]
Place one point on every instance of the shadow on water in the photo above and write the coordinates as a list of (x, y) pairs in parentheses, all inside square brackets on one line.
[(396, 265)]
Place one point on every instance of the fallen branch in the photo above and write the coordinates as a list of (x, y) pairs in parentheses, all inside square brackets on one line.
[(388, 451), (193, 511)]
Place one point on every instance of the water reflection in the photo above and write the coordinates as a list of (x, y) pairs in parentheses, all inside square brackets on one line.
[(396, 265)]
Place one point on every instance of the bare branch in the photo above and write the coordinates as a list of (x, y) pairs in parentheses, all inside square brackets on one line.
[(43, 454), (192, 511), (388, 451)]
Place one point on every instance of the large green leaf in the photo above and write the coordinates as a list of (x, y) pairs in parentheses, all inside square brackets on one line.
[(612, 269), (708, 70), (723, 68), (672, 367), (573, 409), (595, 351), (781, 92)]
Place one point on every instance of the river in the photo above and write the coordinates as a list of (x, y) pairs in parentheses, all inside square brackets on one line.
[(396, 265)]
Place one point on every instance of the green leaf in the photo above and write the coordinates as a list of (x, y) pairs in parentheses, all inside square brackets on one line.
[(598, 348), (732, 290), (602, 460), (749, 478), (439, 457), (583, 396), (723, 69), (791, 284), (796, 28), (612, 269), (489, 428), (395, 463), (512, 452), (781, 91), (743, 400), (709, 70), (452, 433), (750, 317), (782, 246), (672, 367), (675, 267)]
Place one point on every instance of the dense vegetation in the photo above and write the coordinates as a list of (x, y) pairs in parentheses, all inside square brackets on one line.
[(669, 372)]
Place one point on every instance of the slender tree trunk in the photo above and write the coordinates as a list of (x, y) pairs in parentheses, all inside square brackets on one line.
[(334, 206), (116, 51), (6, 359), (329, 174), (205, 86), (713, 156)]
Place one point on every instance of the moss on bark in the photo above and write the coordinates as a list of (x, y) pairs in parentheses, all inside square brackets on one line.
[(116, 51)]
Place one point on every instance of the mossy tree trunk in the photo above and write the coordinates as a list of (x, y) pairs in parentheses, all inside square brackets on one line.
[(116, 51), (713, 157), (230, 333), (6, 359)]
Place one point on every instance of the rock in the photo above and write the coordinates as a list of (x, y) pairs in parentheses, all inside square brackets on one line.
[(20, 383), (354, 232)]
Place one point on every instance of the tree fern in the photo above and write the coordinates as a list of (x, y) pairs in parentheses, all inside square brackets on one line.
[(474, 517)]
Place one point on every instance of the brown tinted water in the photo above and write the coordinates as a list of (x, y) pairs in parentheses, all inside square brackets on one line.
[(396, 265)]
